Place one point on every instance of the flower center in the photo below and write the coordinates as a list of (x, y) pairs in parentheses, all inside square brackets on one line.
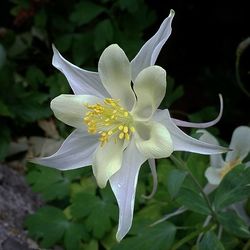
[(229, 166), (109, 120)]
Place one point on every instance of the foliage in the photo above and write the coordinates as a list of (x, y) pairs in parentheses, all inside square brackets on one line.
[(85, 215)]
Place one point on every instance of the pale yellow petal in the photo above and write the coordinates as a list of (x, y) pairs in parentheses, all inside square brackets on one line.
[(115, 72), (71, 109), (107, 161), (153, 140), (150, 88)]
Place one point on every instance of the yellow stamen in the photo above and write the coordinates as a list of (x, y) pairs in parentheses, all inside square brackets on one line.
[(121, 135), (125, 129), (132, 129), (229, 166), (109, 120)]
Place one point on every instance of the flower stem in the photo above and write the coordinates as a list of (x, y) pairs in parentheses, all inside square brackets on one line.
[(192, 235), (182, 165)]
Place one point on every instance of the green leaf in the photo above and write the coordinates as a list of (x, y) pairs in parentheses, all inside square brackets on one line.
[(92, 245), (129, 5), (57, 84), (84, 12), (233, 224), (234, 187), (197, 164), (193, 200), (30, 106), (74, 233), (35, 76), (174, 182), (82, 48), (159, 237), (2, 55), (103, 34), (49, 182), (210, 241), (4, 110), (173, 94), (63, 43), (97, 213), (21, 44), (47, 224), (41, 18)]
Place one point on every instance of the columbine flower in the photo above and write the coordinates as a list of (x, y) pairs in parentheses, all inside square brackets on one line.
[(118, 127), (240, 145)]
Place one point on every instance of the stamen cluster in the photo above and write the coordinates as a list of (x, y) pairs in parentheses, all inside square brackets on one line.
[(109, 119), (229, 166)]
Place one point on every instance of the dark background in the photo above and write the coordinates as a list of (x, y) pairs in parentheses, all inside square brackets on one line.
[(201, 53)]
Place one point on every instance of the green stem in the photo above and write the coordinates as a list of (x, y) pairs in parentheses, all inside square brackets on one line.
[(193, 235), (183, 166)]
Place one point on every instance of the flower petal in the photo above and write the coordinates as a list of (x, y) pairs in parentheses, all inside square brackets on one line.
[(203, 124), (107, 161), (153, 140), (70, 109), (183, 142), (123, 184), (240, 209), (240, 144), (216, 161), (209, 188), (76, 152), (81, 81), (150, 89), (115, 73), (151, 49), (213, 176)]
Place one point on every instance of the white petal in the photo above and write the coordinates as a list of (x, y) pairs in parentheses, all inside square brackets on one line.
[(181, 123), (151, 49), (107, 161), (153, 140), (240, 144), (215, 160), (71, 109), (213, 176), (209, 188), (240, 209), (115, 73), (123, 184), (183, 142), (81, 81), (150, 89), (76, 152)]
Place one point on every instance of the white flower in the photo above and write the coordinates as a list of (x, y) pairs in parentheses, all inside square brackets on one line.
[(118, 127), (240, 146)]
